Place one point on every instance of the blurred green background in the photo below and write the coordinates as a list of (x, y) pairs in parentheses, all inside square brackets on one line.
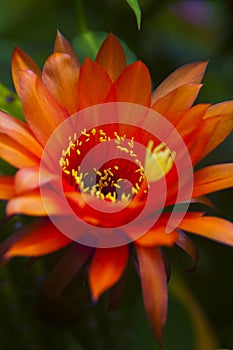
[(172, 33)]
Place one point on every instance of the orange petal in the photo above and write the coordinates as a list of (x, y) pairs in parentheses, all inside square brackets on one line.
[(157, 236), (189, 73), (177, 101), (111, 56), (65, 270), (32, 204), (212, 178), (19, 132), (62, 45), (94, 84), (199, 127), (6, 187), (21, 61), (196, 114), (154, 288), (211, 133), (204, 200), (15, 154), (221, 115), (38, 238), (41, 110), (133, 85), (211, 227), (28, 179), (60, 76), (106, 268)]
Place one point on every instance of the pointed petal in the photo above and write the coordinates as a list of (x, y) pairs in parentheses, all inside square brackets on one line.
[(221, 115), (154, 288), (196, 114), (106, 269), (94, 84), (111, 57), (41, 110), (133, 85), (211, 227), (60, 76), (220, 109), (15, 154), (185, 243), (38, 238), (32, 204), (21, 61), (28, 179), (189, 73), (202, 145), (212, 178), (6, 187), (19, 131), (177, 101), (65, 269), (157, 236), (62, 45), (188, 130), (204, 200)]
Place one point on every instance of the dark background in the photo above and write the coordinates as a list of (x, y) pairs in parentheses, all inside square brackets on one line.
[(172, 33)]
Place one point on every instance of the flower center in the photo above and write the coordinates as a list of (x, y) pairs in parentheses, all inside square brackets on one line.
[(120, 178)]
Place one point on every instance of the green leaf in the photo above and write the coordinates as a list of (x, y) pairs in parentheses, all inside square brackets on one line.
[(87, 45), (10, 103), (137, 11)]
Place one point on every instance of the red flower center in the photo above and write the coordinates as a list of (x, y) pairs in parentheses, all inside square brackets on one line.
[(118, 179)]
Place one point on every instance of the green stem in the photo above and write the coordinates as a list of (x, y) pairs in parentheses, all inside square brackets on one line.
[(82, 25)]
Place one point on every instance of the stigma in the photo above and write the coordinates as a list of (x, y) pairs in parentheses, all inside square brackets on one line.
[(158, 161)]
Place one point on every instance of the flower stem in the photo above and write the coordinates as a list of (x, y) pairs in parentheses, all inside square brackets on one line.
[(82, 25)]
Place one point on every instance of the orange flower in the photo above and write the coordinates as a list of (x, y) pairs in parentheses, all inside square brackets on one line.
[(49, 97)]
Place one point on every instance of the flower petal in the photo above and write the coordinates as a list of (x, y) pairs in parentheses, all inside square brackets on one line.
[(196, 114), (212, 178), (189, 73), (41, 110), (15, 154), (60, 76), (38, 238), (133, 85), (211, 133), (154, 288), (211, 227), (19, 131), (157, 236), (62, 45), (185, 243), (21, 61), (106, 269), (222, 116), (32, 204), (177, 101), (94, 84), (28, 179), (65, 269), (6, 187), (111, 57)]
